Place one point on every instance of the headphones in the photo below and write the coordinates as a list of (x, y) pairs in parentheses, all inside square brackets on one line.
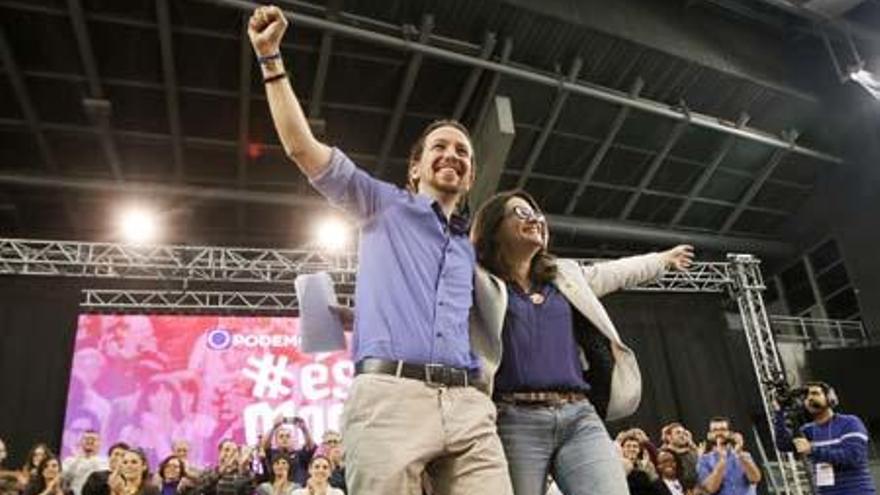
[(828, 390)]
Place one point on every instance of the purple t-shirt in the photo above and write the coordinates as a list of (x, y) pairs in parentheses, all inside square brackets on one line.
[(415, 270), (540, 352)]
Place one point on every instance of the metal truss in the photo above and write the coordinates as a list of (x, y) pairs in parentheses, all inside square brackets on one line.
[(200, 301), (127, 261), (746, 288)]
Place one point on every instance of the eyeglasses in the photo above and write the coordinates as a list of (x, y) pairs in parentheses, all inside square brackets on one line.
[(527, 214)]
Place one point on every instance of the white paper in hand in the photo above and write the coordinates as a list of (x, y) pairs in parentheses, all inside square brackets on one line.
[(320, 330)]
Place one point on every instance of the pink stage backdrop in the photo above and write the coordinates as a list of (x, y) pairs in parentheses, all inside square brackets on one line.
[(150, 380)]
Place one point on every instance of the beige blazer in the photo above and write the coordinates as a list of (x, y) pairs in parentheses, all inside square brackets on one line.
[(582, 287)]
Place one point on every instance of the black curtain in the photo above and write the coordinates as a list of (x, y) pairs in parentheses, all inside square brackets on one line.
[(692, 366), (850, 372), (38, 319)]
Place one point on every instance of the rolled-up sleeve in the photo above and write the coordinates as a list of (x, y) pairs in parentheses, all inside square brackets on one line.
[(352, 189)]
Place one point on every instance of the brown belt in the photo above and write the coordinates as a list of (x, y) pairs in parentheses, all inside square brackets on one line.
[(541, 398)]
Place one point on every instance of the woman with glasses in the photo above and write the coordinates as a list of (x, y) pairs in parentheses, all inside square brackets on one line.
[(551, 357)]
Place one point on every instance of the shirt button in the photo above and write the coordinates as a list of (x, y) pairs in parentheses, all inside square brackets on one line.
[(440, 303), (439, 334)]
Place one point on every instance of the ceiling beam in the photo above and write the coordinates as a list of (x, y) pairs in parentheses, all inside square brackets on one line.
[(600, 153), (233, 144), (161, 189), (16, 80), (169, 76), (406, 87), (245, 68), (538, 77), (470, 84), (552, 117), (612, 230), (32, 120), (653, 168), (606, 230), (376, 110), (707, 173), (758, 183), (317, 96), (651, 192), (97, 106), (494, 81)]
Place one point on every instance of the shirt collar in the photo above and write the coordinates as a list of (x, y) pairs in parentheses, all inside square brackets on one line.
[(459, 223)]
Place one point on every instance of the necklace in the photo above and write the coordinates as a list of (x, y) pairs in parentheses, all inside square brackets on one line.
[(537, 298)]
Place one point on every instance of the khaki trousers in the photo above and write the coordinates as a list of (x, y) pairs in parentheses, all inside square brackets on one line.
[(394, 430)]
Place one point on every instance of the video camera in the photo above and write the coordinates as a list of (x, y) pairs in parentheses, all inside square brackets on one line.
[(791, 403)]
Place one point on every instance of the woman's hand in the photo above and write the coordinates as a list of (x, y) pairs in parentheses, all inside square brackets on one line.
[(679, 258)]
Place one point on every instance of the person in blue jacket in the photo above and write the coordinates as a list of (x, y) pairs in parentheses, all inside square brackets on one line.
[(836, 444)]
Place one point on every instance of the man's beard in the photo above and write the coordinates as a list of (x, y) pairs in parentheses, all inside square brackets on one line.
[(815, 408), (446, 188)]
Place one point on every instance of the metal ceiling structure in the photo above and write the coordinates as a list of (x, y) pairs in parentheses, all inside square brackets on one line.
[(160, 101)]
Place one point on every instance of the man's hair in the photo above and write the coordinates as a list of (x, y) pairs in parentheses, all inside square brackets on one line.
[(824, 386), (415, 153), (118, 445), (828, 391), (490, 252), (667, 429), (720, 419)]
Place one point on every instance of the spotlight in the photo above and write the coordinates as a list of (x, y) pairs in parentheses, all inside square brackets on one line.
[(138, 225), (332, 234)]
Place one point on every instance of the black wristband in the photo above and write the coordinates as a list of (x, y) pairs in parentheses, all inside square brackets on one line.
[(280, 75), (269, 58)]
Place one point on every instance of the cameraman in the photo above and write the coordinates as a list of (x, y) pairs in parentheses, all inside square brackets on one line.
[(836, 444), (725, 468)]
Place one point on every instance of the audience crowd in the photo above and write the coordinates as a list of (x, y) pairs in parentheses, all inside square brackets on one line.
[(676, 464), (274, 467)]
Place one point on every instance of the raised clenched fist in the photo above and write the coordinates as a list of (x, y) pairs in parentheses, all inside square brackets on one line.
[(266, 27)]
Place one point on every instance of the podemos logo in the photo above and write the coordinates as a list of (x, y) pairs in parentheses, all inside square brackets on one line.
[(221, 339)]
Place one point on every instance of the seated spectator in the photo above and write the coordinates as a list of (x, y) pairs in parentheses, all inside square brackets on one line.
[(39, 452), (337, 474), (319, 479), (279, 483), (669, 484), (96, 483), (172, 470), (679, 441), (132, 476), (231, 476), (47, 479), (78, 467), (283, 433), (640, 471)]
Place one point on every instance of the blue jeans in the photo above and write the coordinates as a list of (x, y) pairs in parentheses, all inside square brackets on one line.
[(570, 442)]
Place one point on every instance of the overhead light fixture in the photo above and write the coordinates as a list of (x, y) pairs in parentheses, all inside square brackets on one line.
[(138, 225)]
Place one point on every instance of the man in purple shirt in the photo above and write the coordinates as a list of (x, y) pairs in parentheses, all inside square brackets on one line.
[(412, 408)]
